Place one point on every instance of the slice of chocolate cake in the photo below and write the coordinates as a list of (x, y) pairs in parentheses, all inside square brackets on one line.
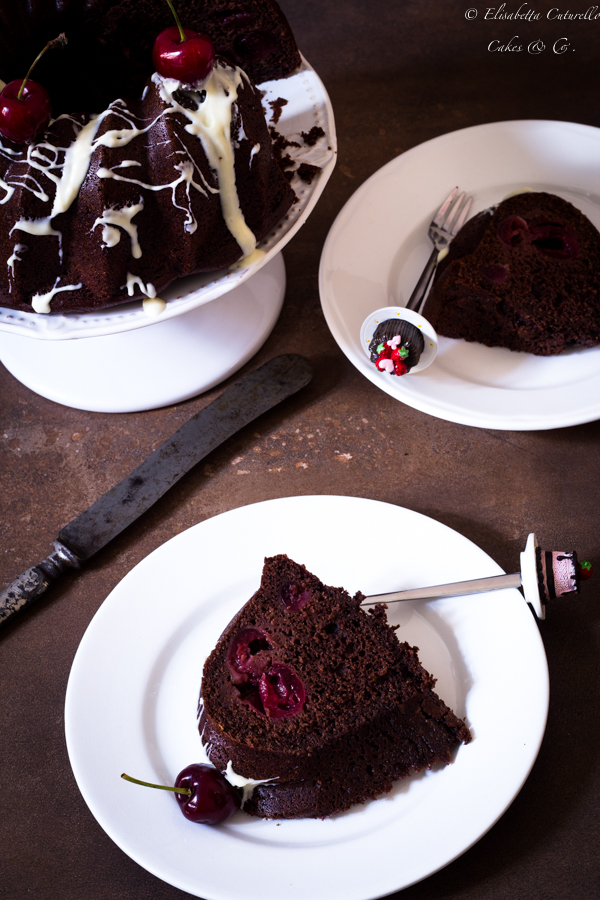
[(524, 276), (317, 698)]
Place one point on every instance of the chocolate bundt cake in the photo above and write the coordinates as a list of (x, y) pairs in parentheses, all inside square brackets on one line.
[(316, 698), (525, 275), (113, 205)]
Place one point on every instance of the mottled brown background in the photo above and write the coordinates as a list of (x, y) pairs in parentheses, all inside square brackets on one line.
[(398, 73)]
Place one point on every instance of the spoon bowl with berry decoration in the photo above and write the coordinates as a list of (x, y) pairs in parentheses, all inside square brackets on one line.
[(398, 341)]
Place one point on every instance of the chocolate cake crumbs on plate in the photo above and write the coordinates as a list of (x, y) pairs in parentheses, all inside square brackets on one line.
[(311, 137), (277, 108), (307, 172)]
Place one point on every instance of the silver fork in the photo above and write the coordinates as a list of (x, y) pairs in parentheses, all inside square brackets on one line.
[(446, 223)]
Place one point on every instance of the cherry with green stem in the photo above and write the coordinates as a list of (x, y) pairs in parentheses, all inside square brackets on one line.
[(203, 794), (25, 107), (183, 54)]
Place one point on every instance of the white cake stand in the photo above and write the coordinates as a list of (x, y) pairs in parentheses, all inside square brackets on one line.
[(121, 360)]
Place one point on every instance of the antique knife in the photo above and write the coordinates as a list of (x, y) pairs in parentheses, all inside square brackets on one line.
[(244, 401)]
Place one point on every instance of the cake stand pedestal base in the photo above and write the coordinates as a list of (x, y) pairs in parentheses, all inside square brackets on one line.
[(163, 363)]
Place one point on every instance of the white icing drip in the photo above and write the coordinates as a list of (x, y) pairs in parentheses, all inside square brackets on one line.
[(76, 165), (153, 306), (253, 152), (19, 248), (126, 163), (9, 191), (37, 191), (121, 218), (246, 784), (187, 176), (10, 262), (132, 280), (211, 123), (110, 236), (74, 170), (39, 227), (41, 302)]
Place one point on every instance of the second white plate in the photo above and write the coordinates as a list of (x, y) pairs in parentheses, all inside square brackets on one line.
[(133, 692), (378, 246)]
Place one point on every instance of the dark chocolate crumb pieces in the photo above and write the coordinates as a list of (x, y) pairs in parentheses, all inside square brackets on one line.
[(277, 106), (311, 137), (307, 172)]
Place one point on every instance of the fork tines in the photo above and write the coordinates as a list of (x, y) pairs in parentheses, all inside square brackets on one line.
[(447, 216)]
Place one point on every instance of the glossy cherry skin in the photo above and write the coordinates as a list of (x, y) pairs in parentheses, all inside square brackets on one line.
[(213, 799), (21, 120), (188, 61)]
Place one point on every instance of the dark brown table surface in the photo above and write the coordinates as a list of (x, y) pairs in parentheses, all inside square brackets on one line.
[(398, 73)]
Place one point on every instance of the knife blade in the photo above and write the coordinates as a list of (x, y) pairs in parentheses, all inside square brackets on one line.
[(241, 403)]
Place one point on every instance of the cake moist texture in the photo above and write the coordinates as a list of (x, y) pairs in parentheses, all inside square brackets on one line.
[(525, 276), (317, 699)]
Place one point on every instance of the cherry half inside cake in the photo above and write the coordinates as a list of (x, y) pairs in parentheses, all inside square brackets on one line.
[(269, 687), (553, 239)]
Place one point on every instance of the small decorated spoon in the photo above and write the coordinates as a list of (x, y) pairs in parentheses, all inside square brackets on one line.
[(398, 341)]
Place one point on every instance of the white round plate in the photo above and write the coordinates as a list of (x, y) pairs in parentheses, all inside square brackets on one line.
[(378, 246), (308, 105), (133, 691), (153, 367)]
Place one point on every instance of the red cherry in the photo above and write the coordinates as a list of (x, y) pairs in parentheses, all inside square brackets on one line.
[(212, 800), (204, 795), (24, 104), (189, 61), (281, 691), (21, 119)]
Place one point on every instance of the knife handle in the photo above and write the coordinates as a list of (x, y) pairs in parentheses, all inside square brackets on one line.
[(35, 581)]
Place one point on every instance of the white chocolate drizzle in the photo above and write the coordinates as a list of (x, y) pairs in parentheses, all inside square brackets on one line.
[(211, 122), (153, 306), (41, 302), (246, 784), (132, 280), (121, 218)]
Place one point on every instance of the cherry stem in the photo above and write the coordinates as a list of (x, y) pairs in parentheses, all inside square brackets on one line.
[(60, 41), (159, 787), (177, 22)]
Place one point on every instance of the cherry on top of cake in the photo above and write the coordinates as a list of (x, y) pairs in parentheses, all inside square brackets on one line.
[(110, 43)]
